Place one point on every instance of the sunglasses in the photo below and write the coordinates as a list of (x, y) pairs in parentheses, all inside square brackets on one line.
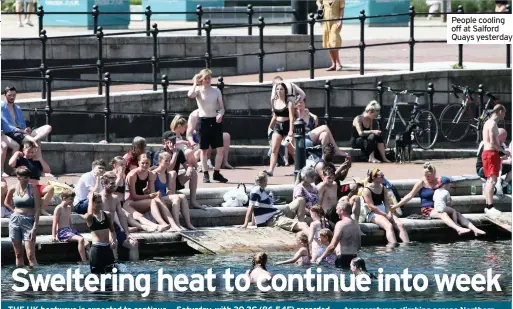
[(380, 176)]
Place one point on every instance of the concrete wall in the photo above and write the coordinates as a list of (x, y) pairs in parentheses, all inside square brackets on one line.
[(75, 51), (240, 101)]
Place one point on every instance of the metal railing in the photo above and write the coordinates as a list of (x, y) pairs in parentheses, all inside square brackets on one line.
[(155, 61), (164, 113)]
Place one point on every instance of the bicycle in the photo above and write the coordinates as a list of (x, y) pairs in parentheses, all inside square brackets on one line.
[(460, 114), (420, 122)]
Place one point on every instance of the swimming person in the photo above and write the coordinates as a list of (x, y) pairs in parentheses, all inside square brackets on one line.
[(24, 198), (319, 222), (62, 229), (259, 269), (101, 255), (358, 268), (324, 239), (303, 255)]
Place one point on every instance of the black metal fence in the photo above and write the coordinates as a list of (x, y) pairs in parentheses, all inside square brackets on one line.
[(155, 61)]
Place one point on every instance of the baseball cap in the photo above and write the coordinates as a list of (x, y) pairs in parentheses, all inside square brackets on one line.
[(445, 180), (169, 135)]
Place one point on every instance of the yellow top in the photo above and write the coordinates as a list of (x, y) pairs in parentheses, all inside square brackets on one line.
[(332, 8)]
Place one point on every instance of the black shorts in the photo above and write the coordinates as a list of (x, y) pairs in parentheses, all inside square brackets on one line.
[(344, 260), (18, 137), (101, 259), (282, 128), (210, 133)]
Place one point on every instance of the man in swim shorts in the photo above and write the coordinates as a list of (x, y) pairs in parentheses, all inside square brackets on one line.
[(333, 9), (491, 156), (506, 158), (346, 236)]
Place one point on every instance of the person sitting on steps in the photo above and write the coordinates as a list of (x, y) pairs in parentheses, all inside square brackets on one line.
[(365, 137), (89, 182), (132, 157)]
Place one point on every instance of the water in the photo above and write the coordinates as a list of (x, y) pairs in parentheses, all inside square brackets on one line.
[(468, 257)]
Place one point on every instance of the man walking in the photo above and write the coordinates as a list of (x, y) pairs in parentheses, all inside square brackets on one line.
[(491, 156)]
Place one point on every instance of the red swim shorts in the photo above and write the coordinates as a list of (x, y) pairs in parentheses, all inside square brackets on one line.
[(40, 188), (491, 163)]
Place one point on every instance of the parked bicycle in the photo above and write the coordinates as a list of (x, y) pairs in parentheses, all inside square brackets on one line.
[(457, 119), (422, 125)]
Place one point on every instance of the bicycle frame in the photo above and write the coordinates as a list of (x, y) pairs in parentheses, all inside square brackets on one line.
[(394, 112)]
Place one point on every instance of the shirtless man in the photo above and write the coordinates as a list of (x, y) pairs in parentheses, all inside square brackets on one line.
[(491, 156), (346, 237), (112, 205), (327, 189), (211, 112)]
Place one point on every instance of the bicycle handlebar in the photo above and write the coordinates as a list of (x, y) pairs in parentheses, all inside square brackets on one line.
[(465, 90), (398, 92), (491, 96)]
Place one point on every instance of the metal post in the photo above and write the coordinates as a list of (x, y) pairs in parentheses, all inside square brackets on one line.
[(106, 110), (220, 84), (300, 150), (35, 118), (481, 92), (261, 52), (42, 67), (381, 90), (96, 13), (48, 107), (208, 54), (431, 93), (362, 42), (148, 19), (163, 112), (327, 106), (99, 62), (199, 15), (300, 9), (40, 15), (155, 58), (412, 37), (460, 46), (250, 19), (311, 48), (508, 46)]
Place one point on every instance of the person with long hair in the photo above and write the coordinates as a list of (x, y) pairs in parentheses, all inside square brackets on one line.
[(366, 135), (132, 157), (258, 269), (303, 255), (191, 151), (375, 196), (358, 268), (319, 222), (24, 198)]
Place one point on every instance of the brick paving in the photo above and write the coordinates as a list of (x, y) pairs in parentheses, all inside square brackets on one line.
[(246, 174)]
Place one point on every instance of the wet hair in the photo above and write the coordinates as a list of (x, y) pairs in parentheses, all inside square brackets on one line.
[(66, 194), (164, 154), (22, 171), (99, 162), (328, 170), (9, 88), (178, 121), (303, 239), (117, 160), (373, 106), (372, 174), (261, 177), (429, 169), (320, 212), (326, 233), (259, 259), (29, 144), (359, 263)]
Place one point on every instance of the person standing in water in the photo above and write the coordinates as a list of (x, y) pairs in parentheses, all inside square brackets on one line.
[(211, 112), (259, 268), (491, 156)]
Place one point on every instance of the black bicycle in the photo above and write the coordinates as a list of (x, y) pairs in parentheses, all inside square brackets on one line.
[(457, 119)]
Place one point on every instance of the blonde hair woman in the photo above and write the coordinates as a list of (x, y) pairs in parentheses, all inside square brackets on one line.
[(191, 152), (366, 136)]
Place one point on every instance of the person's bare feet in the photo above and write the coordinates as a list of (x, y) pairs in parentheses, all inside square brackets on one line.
[(463, 231), (191, 227), (332, 68), (478, 232), (197, 206), (163, 228), (227, 166)]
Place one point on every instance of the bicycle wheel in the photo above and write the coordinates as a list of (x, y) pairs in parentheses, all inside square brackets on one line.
[(388, 130), (454, 122), (426, 131)]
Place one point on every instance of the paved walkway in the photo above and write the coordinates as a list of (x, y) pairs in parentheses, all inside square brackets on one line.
[(246, 174)]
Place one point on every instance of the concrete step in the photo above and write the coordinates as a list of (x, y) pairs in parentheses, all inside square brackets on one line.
[(248, 240), (226, 216)]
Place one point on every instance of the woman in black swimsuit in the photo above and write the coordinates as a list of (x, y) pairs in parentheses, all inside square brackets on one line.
[(364, 135), (282, 123)]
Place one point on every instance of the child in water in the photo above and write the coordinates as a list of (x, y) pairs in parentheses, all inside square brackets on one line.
[(319, 222), (302, 256), (259, 267), (358, 268), (325, 237)]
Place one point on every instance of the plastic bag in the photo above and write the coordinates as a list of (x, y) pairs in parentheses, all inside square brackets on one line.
[(236, 197)]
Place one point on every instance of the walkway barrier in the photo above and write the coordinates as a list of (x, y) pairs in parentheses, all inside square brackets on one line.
[(155, 61)]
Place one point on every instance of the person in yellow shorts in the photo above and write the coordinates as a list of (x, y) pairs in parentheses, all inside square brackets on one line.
[(331, 34)]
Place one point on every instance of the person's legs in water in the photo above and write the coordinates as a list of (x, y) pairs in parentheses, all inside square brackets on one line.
[(446, 218), (18, 252), (82, 245), (386, 225), (30, 248), (166, 216)]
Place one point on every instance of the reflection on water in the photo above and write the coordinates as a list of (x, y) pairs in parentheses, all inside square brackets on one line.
[(468, 257)]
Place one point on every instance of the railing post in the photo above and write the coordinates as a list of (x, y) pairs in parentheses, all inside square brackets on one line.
[(40, 15), (327, 106), (96, 13), (35, 118), (300, 8), (148, 19), (460, 46), (99, 62), (431, 93), (381, 90), (311, 48), (163, 112), (208, 55), (481, 92), (300, 151), (106, 110), (362, 42), (42, 67), (220, 84), (412, 37), (508, 46), (48, 107), (261, 52), (155, 58), (250, 19), (199, 15)]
